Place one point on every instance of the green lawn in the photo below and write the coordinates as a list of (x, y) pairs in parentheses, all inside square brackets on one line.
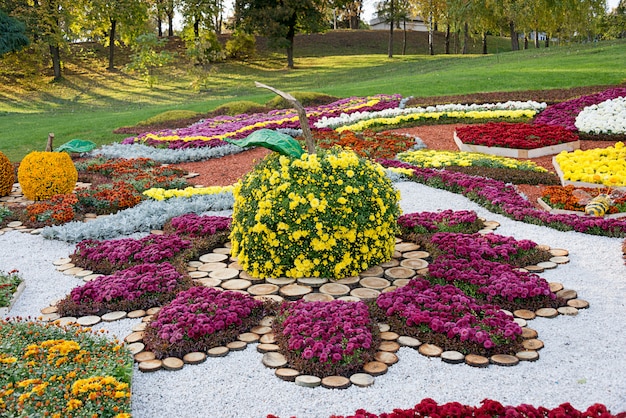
[(91, 104)]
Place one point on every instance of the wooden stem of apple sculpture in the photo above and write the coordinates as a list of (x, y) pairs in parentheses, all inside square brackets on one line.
[(49, 144), (304, 121)]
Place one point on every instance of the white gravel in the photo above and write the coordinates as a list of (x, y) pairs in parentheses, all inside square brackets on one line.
[(583, 361)]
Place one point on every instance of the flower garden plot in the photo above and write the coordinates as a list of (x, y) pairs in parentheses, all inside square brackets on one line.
[(515, 140), (560, 199), (599, 167)]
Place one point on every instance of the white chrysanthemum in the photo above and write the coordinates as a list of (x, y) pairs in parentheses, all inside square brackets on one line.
[(608, 117)]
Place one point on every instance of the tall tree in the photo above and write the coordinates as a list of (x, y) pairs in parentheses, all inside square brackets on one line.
[(203, 14), (280, 20), (12, 34)]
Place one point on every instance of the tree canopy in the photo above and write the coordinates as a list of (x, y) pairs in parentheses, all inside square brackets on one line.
[(12, 34)]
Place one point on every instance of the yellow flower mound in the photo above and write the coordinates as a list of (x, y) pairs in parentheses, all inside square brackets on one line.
[(330, 214), (438, 159), (158, 193), (600, 165), (45, 174), (7, 177)]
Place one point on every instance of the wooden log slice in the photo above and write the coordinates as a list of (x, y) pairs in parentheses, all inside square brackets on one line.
[(560, 260), (567, 310), (87, 321), (394, 262), (147, 318), (267, 321), (547, 312), (401, 282), (220, 351), (224, 274), (66, 320), (195, 357), (153, 311), (475, 360), (135, 348), (504, 360), (144, 356), (314, 282), (430, 350), (555, 286), (383, 327), (113, 316), (317, 297), (389, 336), (407, 341), (61, 261), (578, 303), (84, 273), (349, 299), (139, 327), (364, 293), (208, 282), (389, 289), (150, 365), (374, 271), (335, 289), (532, 344), (267, 348), (213, 258), (274, 298), (235, 265), (567, 294), (91, 277), (236, 284), (386, 357), (73, 271), (362, 380), (263, 289), (222, 250), (336, 382), (521, 322), (274, 360), (524, 314), (375, 368), (173, 363), (294, 291), (414, 263), (50, 317), (416, 255), (396, 273), (351, 281), (280, 281), (389, 346), (422, 272), (287, 374), (374, 283), (547, 265), (308, 381), (249, 337), (261, 329), (404, 247), (559, 252), (134, 337), (246, 276), (49, 310), (491, 224), (198, 274), (530, 355), (212, 266), (269, 338), (65, 266), (534, 269), (396, 254), (157, 232), (195, 263), (452, 357), (237, 345), (529, 333)]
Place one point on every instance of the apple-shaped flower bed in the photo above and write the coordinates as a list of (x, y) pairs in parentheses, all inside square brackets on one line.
[(138, 287), (326, 338), (516, 140), (199, 319)]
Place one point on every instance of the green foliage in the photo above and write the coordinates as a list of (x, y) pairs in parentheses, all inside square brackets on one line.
[(240, 46), (168, 115), (146, 58), (275, 141), (7, 175), (306, 98), (239, 107), (203, 49), (12, 34)]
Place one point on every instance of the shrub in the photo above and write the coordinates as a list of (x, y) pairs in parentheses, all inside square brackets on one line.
[(305, 98), (240, 107), (45, 174), (240, 46), (330, 214), (168, 116), (7, 176)]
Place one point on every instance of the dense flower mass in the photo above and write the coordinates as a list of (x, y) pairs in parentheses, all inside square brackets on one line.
[(330, 214), (599, 165), (201, 318), (438, 159), (445, 309), (212, 132), (486, 246), (465, 221), (608, 117), (575, 198), (514, 135), (326, 338), (565, 113), (158, 193), (195, 225), (368, 144)]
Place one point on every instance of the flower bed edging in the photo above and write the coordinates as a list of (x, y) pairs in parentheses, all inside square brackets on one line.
[(564, 182), (18, 292), (515, 152)]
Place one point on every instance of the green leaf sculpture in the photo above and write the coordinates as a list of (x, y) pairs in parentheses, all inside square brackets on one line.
[(77, 145), (276, 141)]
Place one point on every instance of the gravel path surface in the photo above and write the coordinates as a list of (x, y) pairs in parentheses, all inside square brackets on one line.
[(583, 361)]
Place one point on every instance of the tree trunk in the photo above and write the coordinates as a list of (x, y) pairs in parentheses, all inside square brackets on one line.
[(547, 43), (290, 52), (447, 39), (170, 24), (404, 38), (56, 61), (465, 38), (159, 27), (514, 38), (536, 38), (390, 45), (112, 44), (431, 35), (485, 43), (525, 41), (196, 27)]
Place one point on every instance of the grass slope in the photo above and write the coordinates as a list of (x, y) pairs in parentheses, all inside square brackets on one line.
[(89, 103)]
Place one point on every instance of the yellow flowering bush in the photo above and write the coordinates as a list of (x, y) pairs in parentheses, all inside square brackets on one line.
[(600, 165), (331, 214), (476, 115), (7, 176), (45, 174), (437, 159), (158, 193)]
